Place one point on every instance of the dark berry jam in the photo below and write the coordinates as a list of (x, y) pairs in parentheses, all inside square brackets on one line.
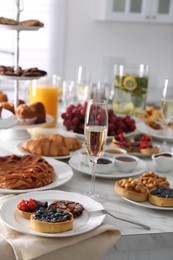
[(103, 161)]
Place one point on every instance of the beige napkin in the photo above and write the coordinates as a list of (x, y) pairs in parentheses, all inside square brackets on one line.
[(91, 245)]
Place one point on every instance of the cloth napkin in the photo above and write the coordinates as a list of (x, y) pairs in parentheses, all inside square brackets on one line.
[(91, 245)]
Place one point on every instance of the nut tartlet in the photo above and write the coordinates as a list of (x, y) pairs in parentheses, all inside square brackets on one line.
[(51, 221), (161, 196), (131, 189), (151, 180)]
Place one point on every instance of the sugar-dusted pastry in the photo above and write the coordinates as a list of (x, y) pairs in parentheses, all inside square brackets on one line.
[(131, 189), (25, 115), (51, 221)]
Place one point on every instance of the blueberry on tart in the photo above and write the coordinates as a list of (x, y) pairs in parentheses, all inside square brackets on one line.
[(51, 221)]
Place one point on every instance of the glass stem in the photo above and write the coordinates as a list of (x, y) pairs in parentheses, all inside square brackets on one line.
[(94, 161)]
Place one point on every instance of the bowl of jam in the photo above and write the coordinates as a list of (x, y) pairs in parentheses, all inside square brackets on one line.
[(126, 162), (112, 152), (103, 165)]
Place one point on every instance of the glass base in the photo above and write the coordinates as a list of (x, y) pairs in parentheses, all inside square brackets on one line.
[(92, 195)]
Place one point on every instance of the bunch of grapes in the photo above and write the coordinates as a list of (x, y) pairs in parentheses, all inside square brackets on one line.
[(74, 117)]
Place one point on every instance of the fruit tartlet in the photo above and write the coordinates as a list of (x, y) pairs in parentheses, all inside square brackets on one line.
[(131, 189), (120, 141), (26, 208), (146, 146), (161, 196), (151, 180), (51, 221), (69, 206)]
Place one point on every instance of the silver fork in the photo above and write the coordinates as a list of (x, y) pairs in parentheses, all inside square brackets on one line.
[(103, 211)]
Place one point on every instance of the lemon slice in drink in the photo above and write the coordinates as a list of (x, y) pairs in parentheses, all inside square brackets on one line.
[(128, 108), (130, 83)]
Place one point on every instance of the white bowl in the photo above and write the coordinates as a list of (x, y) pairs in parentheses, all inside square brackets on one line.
[(126, 162), (103, 167), (163, 162), (84, 157), (112, 152)]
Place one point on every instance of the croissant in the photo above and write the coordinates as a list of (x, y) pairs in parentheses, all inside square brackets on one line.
[(45, 146), (70, 142)]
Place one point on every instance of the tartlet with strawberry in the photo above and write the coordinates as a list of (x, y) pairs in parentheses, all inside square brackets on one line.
[(26, 208)]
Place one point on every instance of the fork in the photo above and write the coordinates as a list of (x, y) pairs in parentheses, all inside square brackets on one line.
[(103, 211)]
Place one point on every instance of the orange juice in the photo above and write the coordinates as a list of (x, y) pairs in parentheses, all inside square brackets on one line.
[(48, 95)]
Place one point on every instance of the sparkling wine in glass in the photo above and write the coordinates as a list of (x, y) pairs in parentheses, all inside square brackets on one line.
[(167, 108), (96, 127), (83, 84)]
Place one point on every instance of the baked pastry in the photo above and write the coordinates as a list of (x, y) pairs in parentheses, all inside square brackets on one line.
[(161, 196), (26, 208), (3, 97), (149, 150), (70, 142), (25, 115), (25, 172), (135, 147), (70, 206), (31, 72), (51, 221), (39, 111), (131, 189), (151, 180), (8, 106), (8, 21), (45, 146), (31, 22), (120, 141)]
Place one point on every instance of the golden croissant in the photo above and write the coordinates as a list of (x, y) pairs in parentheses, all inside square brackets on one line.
[(45, 146)]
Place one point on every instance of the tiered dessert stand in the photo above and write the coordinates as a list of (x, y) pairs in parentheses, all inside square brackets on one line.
[(18, 132)]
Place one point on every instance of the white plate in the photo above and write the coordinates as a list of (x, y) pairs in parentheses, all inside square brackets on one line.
[(146, 204), (82, 224), (76, 164), (63, 173), (49, 119), (7, 119), (19, 148), (20, 28), (160, 134)]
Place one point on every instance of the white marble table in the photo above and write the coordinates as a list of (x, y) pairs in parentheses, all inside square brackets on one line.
[(135, 242)]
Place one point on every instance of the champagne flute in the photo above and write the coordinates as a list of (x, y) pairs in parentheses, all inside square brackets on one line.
[(96, 127), (167, 109), (83, 84)]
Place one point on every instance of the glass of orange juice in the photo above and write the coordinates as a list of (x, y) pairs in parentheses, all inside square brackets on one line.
[(46, 91)]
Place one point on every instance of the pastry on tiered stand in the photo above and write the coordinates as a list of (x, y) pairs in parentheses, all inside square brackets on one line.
[(131, 189), (51, 221), (161, 196), (151, 180)]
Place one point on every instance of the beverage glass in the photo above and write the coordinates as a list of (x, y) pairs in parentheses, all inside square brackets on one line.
[(167, 108), (83, 84), (47, 92), (131, 85), (96, 127)]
